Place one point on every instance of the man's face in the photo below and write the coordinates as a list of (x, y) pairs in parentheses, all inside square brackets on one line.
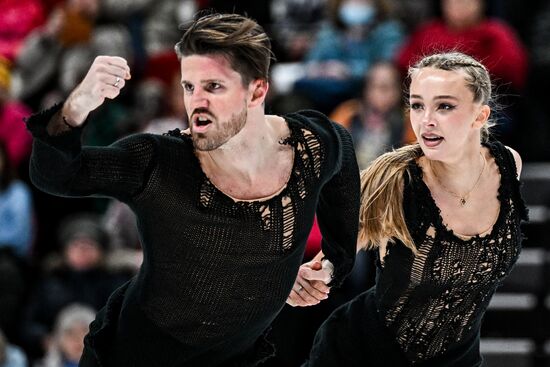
[(215, 99)]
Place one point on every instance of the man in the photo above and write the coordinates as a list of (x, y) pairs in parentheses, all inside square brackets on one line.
[(224, 208)]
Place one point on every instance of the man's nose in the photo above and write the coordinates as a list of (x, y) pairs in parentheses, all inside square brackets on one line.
[(198, 99)]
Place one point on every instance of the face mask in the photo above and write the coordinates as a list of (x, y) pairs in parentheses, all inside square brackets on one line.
[(357, 14)]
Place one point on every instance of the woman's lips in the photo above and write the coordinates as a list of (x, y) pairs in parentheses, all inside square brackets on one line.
[(432, 140)]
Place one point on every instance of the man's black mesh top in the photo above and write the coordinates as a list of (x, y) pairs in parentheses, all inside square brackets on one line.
[(215, 271)]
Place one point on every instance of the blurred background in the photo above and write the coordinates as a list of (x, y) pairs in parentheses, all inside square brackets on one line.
[(61, 258)]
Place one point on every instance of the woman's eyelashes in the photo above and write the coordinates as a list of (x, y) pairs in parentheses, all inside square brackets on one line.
[(446, 106), (416, 106), (441, 107)]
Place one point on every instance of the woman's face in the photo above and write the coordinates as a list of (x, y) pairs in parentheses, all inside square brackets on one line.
[(444, 116)]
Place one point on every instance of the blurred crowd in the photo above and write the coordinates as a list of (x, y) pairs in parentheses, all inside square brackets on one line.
[(61, 258)]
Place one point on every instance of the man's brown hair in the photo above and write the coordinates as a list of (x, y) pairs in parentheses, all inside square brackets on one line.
[(240, 39)]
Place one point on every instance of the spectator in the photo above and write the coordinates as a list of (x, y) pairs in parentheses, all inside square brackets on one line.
[(360, 33), (464, 27), (80, 275), (376, 119), (67, 340)]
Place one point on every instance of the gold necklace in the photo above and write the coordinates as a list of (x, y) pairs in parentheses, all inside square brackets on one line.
[(462, 198)]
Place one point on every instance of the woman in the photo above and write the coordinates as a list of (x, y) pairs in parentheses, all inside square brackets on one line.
[(444, 216), (464, 26)]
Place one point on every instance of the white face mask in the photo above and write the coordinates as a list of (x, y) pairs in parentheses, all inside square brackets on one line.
[(354, 14)]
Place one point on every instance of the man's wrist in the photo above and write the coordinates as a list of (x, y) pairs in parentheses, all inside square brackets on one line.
[(72, 116), (71, 125)]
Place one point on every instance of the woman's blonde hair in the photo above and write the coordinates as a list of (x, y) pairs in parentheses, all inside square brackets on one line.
[(381, 216)]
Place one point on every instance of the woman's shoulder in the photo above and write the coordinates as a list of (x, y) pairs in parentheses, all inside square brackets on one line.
[(517, 160), (506, 157)]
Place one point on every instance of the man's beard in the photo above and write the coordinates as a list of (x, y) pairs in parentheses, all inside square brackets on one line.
[(224, 131)]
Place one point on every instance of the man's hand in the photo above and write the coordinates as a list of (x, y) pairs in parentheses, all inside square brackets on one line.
[(105, 78), (310, 286)]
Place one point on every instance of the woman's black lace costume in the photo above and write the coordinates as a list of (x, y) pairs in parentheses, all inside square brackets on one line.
[(426, 310), (451, 280), (216, 271)]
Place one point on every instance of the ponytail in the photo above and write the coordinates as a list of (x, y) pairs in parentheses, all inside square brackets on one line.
[(381, 216)]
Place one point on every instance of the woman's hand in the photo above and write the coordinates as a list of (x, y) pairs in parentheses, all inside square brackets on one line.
[(310, 286)]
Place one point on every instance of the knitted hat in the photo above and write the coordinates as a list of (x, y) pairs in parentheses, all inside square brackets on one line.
[(72, 315), (83, 226)]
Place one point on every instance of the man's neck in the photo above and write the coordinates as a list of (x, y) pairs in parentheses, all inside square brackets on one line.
[(249, 153)]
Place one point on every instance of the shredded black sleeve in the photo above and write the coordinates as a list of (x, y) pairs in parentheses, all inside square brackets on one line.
[(338, 211), (339, 201)]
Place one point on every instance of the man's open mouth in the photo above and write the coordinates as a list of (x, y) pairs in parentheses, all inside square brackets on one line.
[(202, 121)]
